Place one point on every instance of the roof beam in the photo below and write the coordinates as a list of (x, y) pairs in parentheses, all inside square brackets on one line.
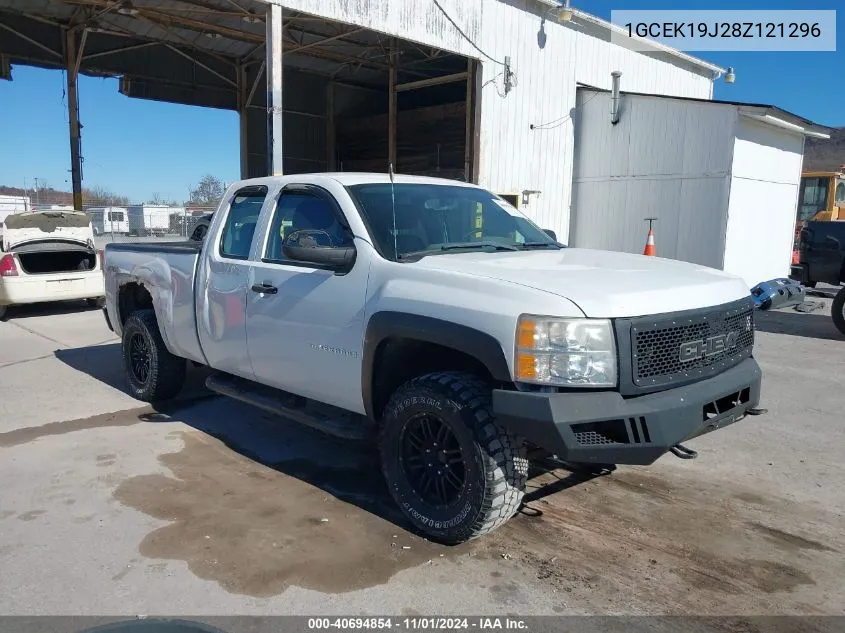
[(434, 81), (35, 43), (203, 66), (122, 49)]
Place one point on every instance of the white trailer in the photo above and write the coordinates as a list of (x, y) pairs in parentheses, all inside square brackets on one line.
[(13, 204), (149, 219), (721, 179), (109, 220)]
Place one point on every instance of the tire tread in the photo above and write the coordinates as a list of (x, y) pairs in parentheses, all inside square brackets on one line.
[(505, 464), (167, 372)]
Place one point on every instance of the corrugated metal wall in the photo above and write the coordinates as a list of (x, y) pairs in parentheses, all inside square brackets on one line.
[(416, 20), (665, 158), (549, 60), (764, 197)]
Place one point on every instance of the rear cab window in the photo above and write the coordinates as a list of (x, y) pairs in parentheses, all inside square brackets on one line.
[(241, 221)]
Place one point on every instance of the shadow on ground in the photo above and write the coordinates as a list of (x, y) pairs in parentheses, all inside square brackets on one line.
[(816, 324), (47, 309), (105, 363)]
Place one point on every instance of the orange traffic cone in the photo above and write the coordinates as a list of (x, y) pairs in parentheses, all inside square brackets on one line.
[(649, 243)]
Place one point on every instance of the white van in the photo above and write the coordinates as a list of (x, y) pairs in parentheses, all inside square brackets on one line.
[(109, 220), (49, 256)]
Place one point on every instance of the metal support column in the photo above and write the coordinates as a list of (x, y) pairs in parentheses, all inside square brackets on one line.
[(331, 131), (274, 90), (72, 66), (243, 90), (391, 107)]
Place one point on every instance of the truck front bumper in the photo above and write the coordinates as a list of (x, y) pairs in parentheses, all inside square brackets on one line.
[(603, 427)]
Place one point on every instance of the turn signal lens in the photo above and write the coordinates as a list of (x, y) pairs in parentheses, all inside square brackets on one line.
[(525, 338)]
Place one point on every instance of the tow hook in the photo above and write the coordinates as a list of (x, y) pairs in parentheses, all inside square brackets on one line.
[(679, 450)]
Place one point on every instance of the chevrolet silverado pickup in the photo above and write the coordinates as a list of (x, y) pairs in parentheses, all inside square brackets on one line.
[(432, 317)]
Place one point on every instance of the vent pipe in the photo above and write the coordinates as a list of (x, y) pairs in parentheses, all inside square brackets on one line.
[(614, 97)]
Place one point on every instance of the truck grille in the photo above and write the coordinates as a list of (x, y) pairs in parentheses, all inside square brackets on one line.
[(679, 347)]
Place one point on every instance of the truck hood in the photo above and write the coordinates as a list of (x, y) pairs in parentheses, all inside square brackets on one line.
[(66, 226), (603, 284)]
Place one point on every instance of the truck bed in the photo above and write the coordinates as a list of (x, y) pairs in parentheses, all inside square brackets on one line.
[(167, 270), (190, 246)]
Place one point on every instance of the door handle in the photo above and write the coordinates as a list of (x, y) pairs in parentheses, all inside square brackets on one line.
[(266, 289)]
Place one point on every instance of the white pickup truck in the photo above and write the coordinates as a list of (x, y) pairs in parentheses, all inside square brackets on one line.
[(433, 318)]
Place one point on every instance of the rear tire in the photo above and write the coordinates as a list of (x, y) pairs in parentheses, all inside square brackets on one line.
[(454, 472), (837, 310), (152, 372)]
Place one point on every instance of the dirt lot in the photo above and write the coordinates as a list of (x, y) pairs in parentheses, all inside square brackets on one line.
[(211, 507)]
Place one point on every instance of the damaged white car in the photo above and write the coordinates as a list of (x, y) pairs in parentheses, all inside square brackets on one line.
[(49, 256)]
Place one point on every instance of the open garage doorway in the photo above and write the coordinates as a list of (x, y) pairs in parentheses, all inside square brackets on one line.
[(357, 100)]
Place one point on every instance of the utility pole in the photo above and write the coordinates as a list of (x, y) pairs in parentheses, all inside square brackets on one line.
[(37, 197)]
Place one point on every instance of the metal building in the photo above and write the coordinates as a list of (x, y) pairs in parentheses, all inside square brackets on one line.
[(481, 90), (721, 179)]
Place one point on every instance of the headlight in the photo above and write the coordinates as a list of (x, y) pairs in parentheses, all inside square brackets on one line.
[(565, 352)]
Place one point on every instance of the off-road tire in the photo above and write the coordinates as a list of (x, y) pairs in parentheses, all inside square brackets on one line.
[(166, 374), (96, 302), (493, 460), (837, 310)]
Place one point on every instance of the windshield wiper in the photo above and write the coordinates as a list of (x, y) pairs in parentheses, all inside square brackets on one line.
[(459, 246), (470, 245), (531, 245)]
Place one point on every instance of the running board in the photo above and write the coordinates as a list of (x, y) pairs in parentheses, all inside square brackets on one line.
[(322, 417)]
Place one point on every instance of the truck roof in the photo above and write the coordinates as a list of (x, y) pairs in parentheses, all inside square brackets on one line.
[(354, 178)]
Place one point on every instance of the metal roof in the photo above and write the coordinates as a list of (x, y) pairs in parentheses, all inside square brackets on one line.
[(764, 112), (152, 39)]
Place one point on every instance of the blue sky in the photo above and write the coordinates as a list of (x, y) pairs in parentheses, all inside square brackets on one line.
[(138, 148)]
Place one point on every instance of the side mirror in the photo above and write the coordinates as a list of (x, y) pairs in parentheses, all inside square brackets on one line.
[(333, 257), (551, 234)]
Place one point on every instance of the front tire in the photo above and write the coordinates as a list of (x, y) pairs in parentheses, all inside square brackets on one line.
[(454, 472), (152, 372), (837, 310)]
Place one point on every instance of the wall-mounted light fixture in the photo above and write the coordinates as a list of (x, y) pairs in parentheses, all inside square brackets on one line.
[(527, 193), (564, 14), (730, 77)]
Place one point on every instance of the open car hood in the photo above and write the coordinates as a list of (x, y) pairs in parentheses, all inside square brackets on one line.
[(45, 226)]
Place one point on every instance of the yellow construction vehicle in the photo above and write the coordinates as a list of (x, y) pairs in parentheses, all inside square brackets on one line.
[(821, 197)]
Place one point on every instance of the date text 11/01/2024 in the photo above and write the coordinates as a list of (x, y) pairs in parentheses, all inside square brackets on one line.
[(419, 623)]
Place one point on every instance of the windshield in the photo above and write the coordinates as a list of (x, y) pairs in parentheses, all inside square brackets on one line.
[(813, 197), (434, 219)]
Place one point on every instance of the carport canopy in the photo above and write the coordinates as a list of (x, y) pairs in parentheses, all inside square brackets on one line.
[(228, 54)]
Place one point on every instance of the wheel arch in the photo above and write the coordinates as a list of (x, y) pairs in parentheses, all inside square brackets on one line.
[(394, 340)]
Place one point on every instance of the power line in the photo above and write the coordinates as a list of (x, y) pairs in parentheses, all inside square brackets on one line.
[(551, 125), (464, 35)]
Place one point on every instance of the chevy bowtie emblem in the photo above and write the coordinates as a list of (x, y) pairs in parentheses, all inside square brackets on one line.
[(693, 350)]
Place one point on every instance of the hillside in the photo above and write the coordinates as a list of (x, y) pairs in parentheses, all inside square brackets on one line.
[(825, 155)]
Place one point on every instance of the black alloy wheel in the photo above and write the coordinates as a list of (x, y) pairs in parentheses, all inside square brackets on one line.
[(433, 460)]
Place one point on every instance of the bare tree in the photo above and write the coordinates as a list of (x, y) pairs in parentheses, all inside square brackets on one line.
[(101, 196), (157, 198), (208, 192)]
